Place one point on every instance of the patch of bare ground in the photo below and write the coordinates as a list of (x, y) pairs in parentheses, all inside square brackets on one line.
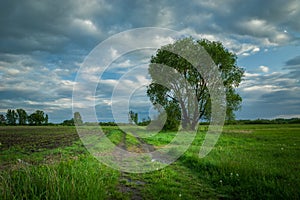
[(35, 138), (128, 186)]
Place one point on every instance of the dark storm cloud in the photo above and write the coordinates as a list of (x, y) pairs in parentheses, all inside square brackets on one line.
[(293, 65), (294, 73), (31, 26), (62, 26), (53, 25), (267, 20), (284, 98), (293, 61)]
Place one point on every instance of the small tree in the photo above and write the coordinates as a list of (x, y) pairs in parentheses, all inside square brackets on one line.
[(11, 117), (22, 116), (133, 117), (77, 119), (46, 119)]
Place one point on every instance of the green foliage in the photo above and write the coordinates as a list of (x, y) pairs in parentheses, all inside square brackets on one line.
[(46, 119), (2, 119), (68, 122), (108, 124), (189, 81), (173, 117), (22, 116), (11, 117), (77, 119), (37, 118), (267, 121), (145, 122), (115, 135), (133, 117)]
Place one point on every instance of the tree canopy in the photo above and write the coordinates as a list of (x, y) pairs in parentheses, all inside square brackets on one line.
[(133, 117), (11, 117), (187, 93), (37, 118), (77, 119), (22, 116)]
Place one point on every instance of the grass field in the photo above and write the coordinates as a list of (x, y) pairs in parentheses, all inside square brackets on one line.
[(248, 162)]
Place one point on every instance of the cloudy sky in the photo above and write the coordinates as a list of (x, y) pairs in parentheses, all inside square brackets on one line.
[(43, 44)]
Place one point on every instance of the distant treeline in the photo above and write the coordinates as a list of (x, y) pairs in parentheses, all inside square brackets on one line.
[(20, 117), (267, 121), (237, 122)]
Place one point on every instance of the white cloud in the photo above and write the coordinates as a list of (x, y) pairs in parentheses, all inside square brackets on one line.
[(114, 52), (250, 75), (256, 49), (143, 80), (12, 71), (245, 54), (288, 116), (126, 63), (233, 44), (167, 18), (85, 25), (263, 88), (264, 69), (263, 30)]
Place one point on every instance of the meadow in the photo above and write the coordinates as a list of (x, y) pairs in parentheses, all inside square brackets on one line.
[(248, 162)]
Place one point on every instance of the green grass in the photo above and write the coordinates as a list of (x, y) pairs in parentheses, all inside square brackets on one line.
[(161, 138), (257, 161), (115, 136), (248, 162), (80, 178)]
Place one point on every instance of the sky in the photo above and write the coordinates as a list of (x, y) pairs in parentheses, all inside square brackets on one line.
[(43, 45)]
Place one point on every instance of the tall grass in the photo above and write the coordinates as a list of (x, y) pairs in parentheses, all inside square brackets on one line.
[(80, 178)]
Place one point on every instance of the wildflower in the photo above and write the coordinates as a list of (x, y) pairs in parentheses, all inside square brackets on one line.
[(237, 174), (281, 148), (179, 195), (231, 174), (221, 181)]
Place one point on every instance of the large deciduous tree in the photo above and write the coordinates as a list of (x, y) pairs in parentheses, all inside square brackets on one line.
[(188, 93), (22, 116)]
